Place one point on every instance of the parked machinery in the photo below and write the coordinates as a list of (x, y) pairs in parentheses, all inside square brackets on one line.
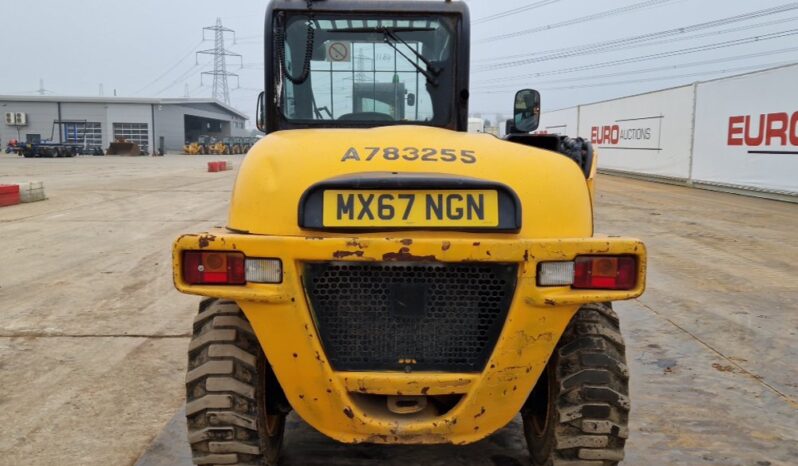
[(230, 145), (14, 147), (47, 149), (124, 147), (75, 143), (237, 146), (217, 147), (203, 145), (206, 143), (247, 143), (192, 148)]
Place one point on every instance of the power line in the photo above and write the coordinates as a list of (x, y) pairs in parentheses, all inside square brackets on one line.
[(673, 53), (593, 77), (253, 66), (171, 68), (629, 46), (583, 19), (179, 79), (192, 91), (633, 41), (653, 79), (513, 11)]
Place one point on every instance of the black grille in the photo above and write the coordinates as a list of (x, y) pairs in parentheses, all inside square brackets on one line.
[(409, 316)]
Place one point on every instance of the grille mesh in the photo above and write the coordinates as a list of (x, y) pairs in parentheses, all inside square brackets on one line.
[(409, 316)]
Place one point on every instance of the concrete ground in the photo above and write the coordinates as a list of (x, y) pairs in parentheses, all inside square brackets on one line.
[(93, 336)]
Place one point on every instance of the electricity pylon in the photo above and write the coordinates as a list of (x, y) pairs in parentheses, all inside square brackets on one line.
[(221, 89)]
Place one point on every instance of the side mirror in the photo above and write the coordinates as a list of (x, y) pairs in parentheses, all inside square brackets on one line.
[(411, 100), (260, 113), (526, 114)]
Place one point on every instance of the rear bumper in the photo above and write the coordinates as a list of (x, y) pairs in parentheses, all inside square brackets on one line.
[(329, 400)]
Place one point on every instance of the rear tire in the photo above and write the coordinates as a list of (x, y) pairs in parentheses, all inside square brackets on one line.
[(578, 413), (228, 406)]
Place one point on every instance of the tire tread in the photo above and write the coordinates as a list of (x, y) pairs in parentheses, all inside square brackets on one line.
[(221, 402), (591, 403)]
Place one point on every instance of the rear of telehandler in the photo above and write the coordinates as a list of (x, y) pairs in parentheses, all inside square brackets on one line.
[(392, 278)]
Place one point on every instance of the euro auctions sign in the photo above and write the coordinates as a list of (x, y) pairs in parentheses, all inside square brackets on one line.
[(771, 133), (746, 131), (628, 134)]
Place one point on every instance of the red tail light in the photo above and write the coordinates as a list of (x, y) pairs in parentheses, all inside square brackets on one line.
[(214, 268), (605, 272)]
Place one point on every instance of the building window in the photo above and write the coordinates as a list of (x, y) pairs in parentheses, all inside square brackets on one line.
[(134, 132), (89, 134)]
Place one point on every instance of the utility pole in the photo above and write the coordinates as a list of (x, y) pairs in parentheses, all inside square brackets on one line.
[(221, 89)]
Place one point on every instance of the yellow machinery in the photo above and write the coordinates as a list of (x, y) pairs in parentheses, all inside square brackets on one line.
[(392, 278), (204, 145), (192, 148), (247, 144), (237, 146), (219, 148)]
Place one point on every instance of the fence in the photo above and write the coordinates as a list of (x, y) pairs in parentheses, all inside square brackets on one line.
[(738, 133)]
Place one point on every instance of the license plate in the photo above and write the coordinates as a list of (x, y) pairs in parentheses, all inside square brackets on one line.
[(411, 209)]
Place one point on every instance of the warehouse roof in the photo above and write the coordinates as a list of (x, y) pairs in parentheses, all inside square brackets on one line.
[(121, 100)]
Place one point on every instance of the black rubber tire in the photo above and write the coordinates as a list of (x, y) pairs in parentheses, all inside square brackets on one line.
[(226, 395), (578, 413)]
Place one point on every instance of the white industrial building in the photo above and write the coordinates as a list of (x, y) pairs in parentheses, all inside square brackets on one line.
[(153, 124)]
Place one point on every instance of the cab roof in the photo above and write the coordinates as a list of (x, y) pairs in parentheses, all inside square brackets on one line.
[(406, 6)]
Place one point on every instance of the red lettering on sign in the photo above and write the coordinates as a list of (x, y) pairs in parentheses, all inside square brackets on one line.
[(794, 129), (780, 132), (605, 134), (736, 130), (615, 134), (760, 137), (773, 129)]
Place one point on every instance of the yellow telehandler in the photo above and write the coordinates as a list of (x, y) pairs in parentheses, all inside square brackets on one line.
[(392, 278)]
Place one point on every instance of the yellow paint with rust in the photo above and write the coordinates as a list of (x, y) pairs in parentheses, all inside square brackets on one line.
[(557, 225)]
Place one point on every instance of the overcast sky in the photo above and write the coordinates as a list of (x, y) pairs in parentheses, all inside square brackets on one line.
[(146, 48)]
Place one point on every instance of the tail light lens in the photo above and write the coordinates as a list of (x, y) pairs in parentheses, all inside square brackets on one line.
[(591, 273), (214, 268), (605, 272)]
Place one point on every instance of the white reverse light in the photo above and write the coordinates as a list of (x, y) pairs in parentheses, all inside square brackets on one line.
[(556, 274), (264, 271)]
